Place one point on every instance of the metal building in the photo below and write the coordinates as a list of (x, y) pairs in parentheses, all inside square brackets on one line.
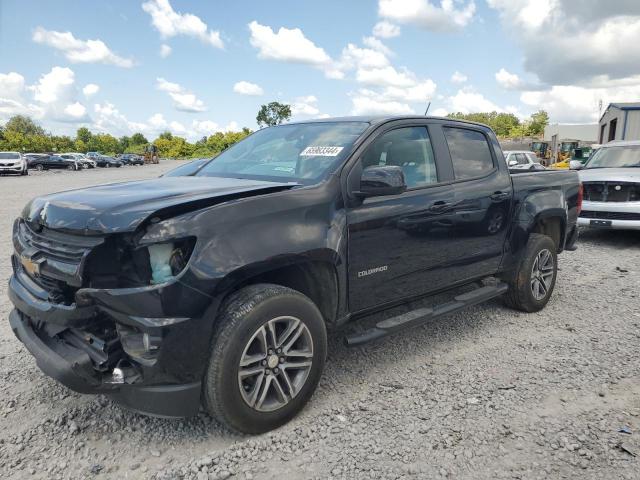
[(620, 121), (555, 134)]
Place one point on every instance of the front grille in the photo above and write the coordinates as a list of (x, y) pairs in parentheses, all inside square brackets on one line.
[(610, 215), (59, 259), (611, 191)]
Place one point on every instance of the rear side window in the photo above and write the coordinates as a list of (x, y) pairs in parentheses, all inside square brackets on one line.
[(470, 153)]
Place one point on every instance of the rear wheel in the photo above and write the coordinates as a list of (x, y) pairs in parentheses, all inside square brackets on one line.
[(70, 167), (266, 359), (531, 285), (40, 167)]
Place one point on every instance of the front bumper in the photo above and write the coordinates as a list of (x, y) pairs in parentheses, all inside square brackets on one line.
[(12, 169), (73, 368), (169, 385), (610, 215)]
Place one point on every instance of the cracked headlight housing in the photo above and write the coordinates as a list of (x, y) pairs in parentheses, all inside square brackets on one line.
[(168, 259)]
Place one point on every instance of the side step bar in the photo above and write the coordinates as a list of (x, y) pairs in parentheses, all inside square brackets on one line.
[(422, 315)]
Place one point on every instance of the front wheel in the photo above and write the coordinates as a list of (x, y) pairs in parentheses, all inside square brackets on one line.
[(267, 357), (40, 167), (531, 285)]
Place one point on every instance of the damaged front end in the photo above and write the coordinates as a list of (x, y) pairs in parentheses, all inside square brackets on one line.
[(119, 314)]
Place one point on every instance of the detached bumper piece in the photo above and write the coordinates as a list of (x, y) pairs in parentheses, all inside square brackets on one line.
[(83, 363)]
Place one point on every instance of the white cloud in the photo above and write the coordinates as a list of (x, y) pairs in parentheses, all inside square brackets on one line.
[(567, 42), (470, 101), (305, 106), (440, 112), (574, 104), (386, 29), (459, 78), (182, 99), (204, 127), (171, 23), (90, 89), (376, 44), (80, 51), (420, 92), (507, 80), (248, 88), (75, 110), (165, 50), (12, 101), (368, 102), (448, 15), (362, 58), (54, 86), (386, 76), (290, 45)]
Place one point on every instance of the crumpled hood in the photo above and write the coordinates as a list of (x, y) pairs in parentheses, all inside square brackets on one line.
[(122, 207), (610, 175)]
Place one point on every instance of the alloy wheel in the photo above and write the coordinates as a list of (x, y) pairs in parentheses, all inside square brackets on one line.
[(542, 274), (275, 364)]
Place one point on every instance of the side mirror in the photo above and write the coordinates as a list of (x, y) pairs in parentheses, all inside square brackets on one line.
[(513, 163), (382, 180), (575, 165)]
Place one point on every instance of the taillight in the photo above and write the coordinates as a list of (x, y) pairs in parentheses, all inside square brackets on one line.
[(580, 195)]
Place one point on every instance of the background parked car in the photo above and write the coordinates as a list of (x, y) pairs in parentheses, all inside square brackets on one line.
[(611, 182), (74, 158), (13, 162), (83, 160), (45, 162), (522, 160), (107, 162), (131, 159)]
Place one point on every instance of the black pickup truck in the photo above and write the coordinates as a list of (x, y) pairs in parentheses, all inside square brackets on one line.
[(218, 288)]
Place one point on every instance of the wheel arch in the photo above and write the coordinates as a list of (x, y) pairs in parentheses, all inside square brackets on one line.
[(316, 279)]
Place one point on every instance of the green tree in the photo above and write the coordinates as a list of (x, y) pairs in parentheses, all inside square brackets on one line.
[(84, 135), (138, 139), (273, 113), (23, 124), (539, 120)]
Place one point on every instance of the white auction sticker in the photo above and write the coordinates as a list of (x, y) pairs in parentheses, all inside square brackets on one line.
[(321, 152)]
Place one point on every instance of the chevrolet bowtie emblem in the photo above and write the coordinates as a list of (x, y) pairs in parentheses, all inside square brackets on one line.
[(30, 266)]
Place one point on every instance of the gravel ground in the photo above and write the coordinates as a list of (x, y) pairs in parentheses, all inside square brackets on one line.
[(488, 393)]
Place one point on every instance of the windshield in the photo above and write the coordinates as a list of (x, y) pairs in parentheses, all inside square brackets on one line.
[(296, 153), (615, 157), (9, 156)]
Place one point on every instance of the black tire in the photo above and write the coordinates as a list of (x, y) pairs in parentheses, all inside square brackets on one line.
[(241, 316), (70, 167), (521, 291), (40, 167)]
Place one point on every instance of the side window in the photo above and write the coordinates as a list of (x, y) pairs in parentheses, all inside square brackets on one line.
[(532, 158), (522, 159), (470, 152), (409, 148)]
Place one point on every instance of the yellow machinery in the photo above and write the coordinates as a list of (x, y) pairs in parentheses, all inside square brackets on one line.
[(542, 151), (151, 154)]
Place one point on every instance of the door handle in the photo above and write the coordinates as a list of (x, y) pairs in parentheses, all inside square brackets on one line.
[(439, 206), (499, 196)]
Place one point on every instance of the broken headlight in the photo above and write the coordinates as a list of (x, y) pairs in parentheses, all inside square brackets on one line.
[(168, 259)]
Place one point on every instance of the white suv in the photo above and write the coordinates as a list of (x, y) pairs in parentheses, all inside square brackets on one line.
[(13, 162)]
